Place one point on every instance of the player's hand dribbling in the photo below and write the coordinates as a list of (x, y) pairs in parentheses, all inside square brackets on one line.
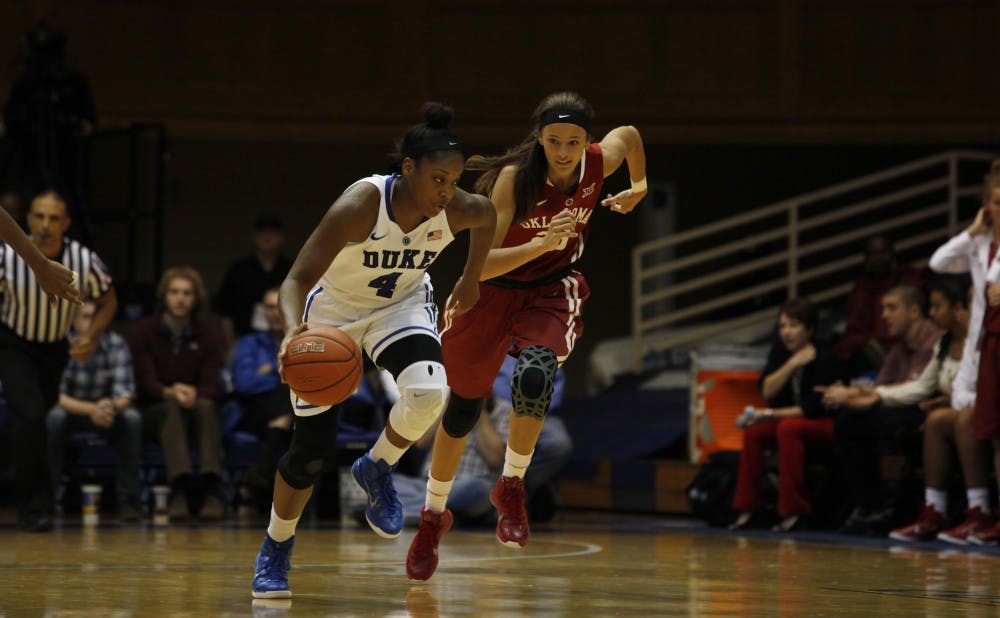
[(301, 328), (462, 298), (624, 202)]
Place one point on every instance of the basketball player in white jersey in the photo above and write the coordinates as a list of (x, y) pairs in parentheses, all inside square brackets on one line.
[(363, 270)]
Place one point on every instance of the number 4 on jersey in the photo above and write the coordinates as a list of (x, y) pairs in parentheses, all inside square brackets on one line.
[(385, 285)]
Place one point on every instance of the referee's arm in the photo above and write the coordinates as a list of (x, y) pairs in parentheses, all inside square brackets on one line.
[(83, 345)]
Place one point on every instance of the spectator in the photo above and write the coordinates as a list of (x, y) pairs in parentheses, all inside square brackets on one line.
[(266, 401), (49, 112), (178, 362), (98, 394), (871, 419), (971, 251), (795, 419), (986, 415), (944, 424), (483, 458), (867, 335), (33, 350), (238, 299)]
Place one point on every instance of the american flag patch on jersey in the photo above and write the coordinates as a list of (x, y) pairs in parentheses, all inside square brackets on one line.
[(435, 235)]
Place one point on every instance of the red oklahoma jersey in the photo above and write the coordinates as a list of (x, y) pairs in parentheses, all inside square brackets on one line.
[(551, 201)]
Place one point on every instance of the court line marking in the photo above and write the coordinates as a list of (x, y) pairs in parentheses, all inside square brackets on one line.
[(950, 596), (584, 549)]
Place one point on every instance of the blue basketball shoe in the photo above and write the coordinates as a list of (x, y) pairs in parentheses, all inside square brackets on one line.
[(384, 512), (270, 577)]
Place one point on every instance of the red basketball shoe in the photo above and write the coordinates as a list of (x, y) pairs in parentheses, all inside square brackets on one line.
[(512, 524), (422, 559), (976, 522)]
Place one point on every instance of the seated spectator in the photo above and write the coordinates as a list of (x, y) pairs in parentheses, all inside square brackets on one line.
[(483, 459), (870, 420), (867, 336), (796, 418), (266, 401), (949, 309), (238, 301), (97, 394), (178, 361)]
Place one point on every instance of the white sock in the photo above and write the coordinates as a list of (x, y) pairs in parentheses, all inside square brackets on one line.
[(386, 450), (281, 529), (937, 498), (515, 464), (437, 494), (978, 496)]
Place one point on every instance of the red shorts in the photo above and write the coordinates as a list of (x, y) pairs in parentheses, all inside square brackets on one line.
[(986, 415), (505, 321)]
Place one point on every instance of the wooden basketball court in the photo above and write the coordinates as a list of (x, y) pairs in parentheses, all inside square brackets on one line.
[(586, 565)]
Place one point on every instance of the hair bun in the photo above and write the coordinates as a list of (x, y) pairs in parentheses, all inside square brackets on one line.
[(437, 115)]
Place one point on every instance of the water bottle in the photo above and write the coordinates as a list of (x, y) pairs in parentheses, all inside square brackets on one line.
[(744, 420)]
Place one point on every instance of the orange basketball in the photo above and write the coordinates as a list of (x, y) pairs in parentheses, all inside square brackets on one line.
[(323, 365)]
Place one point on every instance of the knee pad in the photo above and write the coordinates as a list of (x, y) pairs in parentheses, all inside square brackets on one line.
[(423, 392), (533, 381), (313, 450), (461, 415)]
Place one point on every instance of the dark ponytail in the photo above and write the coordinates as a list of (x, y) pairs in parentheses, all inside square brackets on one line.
[(431, 136)]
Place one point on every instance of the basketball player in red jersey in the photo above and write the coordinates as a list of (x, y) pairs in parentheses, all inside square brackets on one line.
[(545, 191)]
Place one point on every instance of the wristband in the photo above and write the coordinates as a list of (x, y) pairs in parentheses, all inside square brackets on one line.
[(639, 186)]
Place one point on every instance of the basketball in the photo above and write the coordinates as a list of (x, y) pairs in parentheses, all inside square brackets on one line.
[(323, 365)]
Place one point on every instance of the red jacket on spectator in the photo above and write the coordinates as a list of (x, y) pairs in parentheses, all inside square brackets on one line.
[(194, 358)]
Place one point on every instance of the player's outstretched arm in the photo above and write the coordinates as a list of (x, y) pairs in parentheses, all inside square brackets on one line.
[(56, 280), (625, 144), (477, 214)]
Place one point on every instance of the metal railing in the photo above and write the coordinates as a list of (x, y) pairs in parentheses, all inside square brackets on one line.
[(735, 272)]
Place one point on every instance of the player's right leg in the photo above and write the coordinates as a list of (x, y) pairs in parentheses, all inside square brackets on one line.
[(415, 363), (311, 452), (435, 519)]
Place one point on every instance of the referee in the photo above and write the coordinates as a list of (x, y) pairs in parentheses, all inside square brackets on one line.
[(34, 349)]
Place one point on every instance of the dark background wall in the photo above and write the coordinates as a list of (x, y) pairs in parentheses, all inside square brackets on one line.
[(279, 104)]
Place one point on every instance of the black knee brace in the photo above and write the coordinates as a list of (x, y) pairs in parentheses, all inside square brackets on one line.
[(461, 415), (534, 378), (312, 451)]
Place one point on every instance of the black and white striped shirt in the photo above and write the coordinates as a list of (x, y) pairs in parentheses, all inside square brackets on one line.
[(24, 307)]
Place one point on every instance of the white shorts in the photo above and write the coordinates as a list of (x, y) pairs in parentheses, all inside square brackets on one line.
[(373, 330)]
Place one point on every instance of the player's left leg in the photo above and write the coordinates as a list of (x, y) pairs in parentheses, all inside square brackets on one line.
[(544, 332), (313, 450), (531, 390)]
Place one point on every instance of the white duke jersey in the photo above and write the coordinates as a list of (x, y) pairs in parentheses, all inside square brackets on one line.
[(389, 264)]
